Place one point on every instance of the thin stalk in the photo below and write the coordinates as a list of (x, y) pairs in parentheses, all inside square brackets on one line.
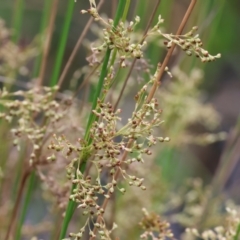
[(126, 9), (31, 183), (62, 43), (76, 48), (47, 42), (44, 22), (98, 91), (17, 19), (228, 162), (17, 204), (92, 117), (114, 7), (71, 204), (149, 98), (19, 167)]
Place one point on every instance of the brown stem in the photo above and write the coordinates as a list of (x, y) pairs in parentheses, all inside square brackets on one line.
[(47, 43), (150, 96), (134, 61), (17, 203), (76, 48), (114, 7), (228, 162), (170, 51)]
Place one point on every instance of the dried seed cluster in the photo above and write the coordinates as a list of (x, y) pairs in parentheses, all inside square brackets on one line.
[(191, 44), (27, 110), (108, 142), (155, 228), (119, 38), (228, 232)]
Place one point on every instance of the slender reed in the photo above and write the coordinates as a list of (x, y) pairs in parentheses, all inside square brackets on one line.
[(44, 22), (17, 19), (71, 204), (17, 203), (62, 44), (47, 43)]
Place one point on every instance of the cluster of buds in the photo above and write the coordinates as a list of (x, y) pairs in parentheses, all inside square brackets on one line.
[(191, 44), (154, 227), (118, 38), (227, 232), (107, 154), (102, 231), (28, 113), (13, 57)]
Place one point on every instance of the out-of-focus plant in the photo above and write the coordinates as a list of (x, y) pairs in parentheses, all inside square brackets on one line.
[(13, 57)]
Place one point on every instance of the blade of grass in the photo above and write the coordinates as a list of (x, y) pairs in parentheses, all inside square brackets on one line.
[(236, 237), (31, 183), (47, 42), (17, 19), (62, 43), (71, 204)]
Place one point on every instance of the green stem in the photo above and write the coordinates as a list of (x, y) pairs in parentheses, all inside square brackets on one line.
[(17, 19), (62, 43), (103, 74), (71, 204), (126, 9), (44, 22), (31, 183), (236, 237)]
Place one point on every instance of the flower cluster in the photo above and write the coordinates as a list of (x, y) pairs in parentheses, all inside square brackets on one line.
[(228, 232), (118, 38), (13, 58), (154, 227), (110, 146), (190, 43), (30, 110)]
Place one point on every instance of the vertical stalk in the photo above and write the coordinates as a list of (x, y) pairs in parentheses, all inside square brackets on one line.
[(44, 22), (16, 205), (17, 19), (31, 183), (47, 42), (71, 204), (32, 179), (62, 43), (236, 237)]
